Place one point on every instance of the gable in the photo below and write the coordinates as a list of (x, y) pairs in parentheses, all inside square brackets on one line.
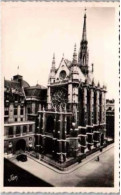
[(62, 67)]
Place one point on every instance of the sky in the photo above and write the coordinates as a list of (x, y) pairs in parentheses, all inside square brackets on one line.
[(33, 31)]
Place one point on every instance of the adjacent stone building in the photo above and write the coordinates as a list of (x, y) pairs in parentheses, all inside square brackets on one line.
[(110, 118), (19, 102)]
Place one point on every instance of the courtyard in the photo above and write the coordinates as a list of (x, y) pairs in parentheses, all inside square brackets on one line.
[(89, 173)]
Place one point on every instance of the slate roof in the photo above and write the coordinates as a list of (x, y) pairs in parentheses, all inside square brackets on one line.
[(35, 91), (37, 86), (68, 62), (13, 87), (25, 84)]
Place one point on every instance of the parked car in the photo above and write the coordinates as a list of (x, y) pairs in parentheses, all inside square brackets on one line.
[(22, 157)]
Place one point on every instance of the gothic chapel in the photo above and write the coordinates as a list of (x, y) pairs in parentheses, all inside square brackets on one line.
[(74, 123)]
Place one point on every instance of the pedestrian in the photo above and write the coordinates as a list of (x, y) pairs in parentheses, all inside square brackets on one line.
[(98, 159)]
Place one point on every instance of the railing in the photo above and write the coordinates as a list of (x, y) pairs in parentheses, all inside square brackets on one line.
[(6, 115), (17, 135), (10, 136)]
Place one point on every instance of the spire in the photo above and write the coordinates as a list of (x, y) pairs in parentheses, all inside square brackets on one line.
[(84, 37), (83, 56)]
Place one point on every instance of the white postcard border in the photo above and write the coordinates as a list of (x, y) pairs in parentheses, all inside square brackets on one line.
[(114, 189)]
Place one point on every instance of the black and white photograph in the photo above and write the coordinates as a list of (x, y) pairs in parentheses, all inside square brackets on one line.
[(60, 96)]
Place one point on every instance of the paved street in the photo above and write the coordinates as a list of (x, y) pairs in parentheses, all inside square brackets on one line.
[(92, 173)]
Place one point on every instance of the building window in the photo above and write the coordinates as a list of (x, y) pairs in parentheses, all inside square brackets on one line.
[(18, 130), (15, 119), (30, 138), (6, 111), (16, 97), (15, 111), (29, 110), (24, 129), (5, 119), (21, 119), (22, 111), (30, 128), (10, 131)]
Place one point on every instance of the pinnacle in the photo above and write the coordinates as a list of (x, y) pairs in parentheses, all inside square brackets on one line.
[(53, 61), (75, 47), (75, 54)]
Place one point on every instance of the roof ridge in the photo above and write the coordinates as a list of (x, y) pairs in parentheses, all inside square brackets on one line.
[(12, 81)]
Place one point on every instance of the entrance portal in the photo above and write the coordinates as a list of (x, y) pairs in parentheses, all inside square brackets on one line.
[(21, 145)]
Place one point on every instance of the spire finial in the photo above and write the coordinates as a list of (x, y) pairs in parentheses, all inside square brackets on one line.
[(63, 55), (92, 68), (85, 10), (53, 56), (17, 70)]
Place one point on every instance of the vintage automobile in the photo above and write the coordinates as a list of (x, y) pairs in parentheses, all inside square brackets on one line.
[(22, 157)]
